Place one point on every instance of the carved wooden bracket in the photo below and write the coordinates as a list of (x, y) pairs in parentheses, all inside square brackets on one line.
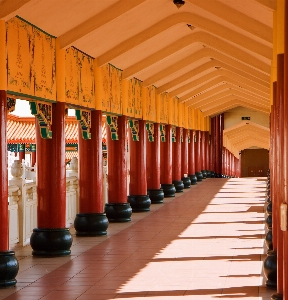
[(163, 133), (134, 125), (84, 118), (43, 112), (188, 135), (150, 130), (10, 104), (112, 121)]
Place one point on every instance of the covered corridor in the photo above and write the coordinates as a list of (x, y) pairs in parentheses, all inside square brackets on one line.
[(206, 243)]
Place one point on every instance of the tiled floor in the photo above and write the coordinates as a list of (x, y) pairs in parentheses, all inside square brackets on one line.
[(206, 243)]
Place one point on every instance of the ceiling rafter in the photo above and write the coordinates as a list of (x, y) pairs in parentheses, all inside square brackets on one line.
[(119, 8), (197, 21), (213, 65), (234, 104), (213, 103), (219, 73), (271, 4), (225, 92), (224, 99), (220, 88), (237, 18), (186, 42), (9, 8), (251, 73), (222, 80)]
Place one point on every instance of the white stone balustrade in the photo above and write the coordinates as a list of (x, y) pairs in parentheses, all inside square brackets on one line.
[(22, 199), (14, 196), (71, 200), (22, 205)]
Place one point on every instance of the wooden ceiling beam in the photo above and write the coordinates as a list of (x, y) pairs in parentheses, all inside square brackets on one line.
[(9, 8), (119, 8), (237, 18), (197, 21), (246, 71), (186, 42)]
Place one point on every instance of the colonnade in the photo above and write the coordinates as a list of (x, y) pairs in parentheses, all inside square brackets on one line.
[(163, 161)]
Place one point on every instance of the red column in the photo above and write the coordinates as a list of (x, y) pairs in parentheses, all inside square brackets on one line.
[(166, 164), (203, 154), (91, 220), (51, 238), (138, 198), (221, 128), (184, 159), (153, 167), (8, 262), (191, 158), (207, 148), (218, 149), (212, 147), (176, 162), (285, 157), (117, 209), (279, 176), (198, 156)]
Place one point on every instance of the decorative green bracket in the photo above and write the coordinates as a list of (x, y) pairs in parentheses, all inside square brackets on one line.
[(188, 135), (21, 147), (150, 130), (84, 118), (134, 125), (10, 104), (163, 133), (195, 137), (112, 121), (173, 134), (43, 112)]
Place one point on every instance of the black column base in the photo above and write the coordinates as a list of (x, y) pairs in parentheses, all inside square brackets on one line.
[(186, 182), (199, 176), (139, 202), (204, 174), (179, 185), (277, 296), (93, 224), (8, 269), (212, 174), (118, 212), (208, 172), (51, 242), (270, 269), (169, 190), (156, 195), (268, 222), (193, 179), (268, 240)]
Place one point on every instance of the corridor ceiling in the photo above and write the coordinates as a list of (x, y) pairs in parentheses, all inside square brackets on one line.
[(213, 54)]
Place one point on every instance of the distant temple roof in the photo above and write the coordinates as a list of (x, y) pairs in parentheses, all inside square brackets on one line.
[(22, 130)]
